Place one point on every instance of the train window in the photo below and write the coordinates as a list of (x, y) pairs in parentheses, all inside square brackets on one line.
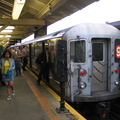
[(38, 48), (77, 51), (33, 50), (97, 51)]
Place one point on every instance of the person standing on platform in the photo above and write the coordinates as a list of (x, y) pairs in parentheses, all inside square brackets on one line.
[(8, 48), (16, 55), (8, 64), (44, 65), (24, 57), (2, 83)]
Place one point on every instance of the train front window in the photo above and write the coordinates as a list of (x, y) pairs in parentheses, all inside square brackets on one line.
[(77, 51), (97, 51)]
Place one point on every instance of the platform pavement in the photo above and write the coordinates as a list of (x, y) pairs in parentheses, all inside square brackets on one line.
[(30, 103)]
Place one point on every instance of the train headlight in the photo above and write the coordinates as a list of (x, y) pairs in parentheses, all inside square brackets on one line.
[(83, 72), (82, 85), (117, 82)]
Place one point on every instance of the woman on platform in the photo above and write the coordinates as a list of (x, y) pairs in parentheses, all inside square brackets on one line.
[(7, 63)]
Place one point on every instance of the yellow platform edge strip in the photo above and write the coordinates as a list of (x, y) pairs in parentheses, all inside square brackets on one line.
[(72, 110)]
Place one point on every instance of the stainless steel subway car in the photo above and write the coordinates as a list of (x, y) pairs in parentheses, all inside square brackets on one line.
[(88, 60)]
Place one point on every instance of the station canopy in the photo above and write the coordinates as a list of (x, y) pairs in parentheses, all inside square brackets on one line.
[(34, 15)]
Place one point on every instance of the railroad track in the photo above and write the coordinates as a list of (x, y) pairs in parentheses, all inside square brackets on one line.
[(115, 110)]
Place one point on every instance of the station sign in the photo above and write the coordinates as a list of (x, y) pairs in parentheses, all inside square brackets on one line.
[(117, 50)]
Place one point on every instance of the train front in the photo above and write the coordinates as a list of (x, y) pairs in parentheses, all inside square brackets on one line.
[(93, 63)]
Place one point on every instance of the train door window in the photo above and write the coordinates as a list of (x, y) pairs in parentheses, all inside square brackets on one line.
[(78, 51), (38, 48), (33, 49), (97, 50), (46, 44)]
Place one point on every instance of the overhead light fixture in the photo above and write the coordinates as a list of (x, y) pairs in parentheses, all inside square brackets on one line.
[(8, 36), (10, 27), (17, 8), (1, 36), (6, 31)]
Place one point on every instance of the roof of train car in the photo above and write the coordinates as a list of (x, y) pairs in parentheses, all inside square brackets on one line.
[(35, 14), (89, 28), (56, 34), (115, 24)]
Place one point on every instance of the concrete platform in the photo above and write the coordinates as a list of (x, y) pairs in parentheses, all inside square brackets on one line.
[(31, 102)]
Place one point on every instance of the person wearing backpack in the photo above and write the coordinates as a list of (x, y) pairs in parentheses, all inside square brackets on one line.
[(38, 59), (43, 60)]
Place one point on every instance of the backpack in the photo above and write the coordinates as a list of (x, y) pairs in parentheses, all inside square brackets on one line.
[(38, 59)]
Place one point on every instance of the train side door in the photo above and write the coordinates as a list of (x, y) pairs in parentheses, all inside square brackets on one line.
[(99, 65), (76, 58)]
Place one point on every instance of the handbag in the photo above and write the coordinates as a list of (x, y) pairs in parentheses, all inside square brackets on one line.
[(9, 72)]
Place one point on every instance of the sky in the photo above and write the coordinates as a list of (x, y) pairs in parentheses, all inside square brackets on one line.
[(98, 12)]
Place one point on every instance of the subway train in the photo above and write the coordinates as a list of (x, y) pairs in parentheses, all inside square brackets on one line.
[(86, 57)]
